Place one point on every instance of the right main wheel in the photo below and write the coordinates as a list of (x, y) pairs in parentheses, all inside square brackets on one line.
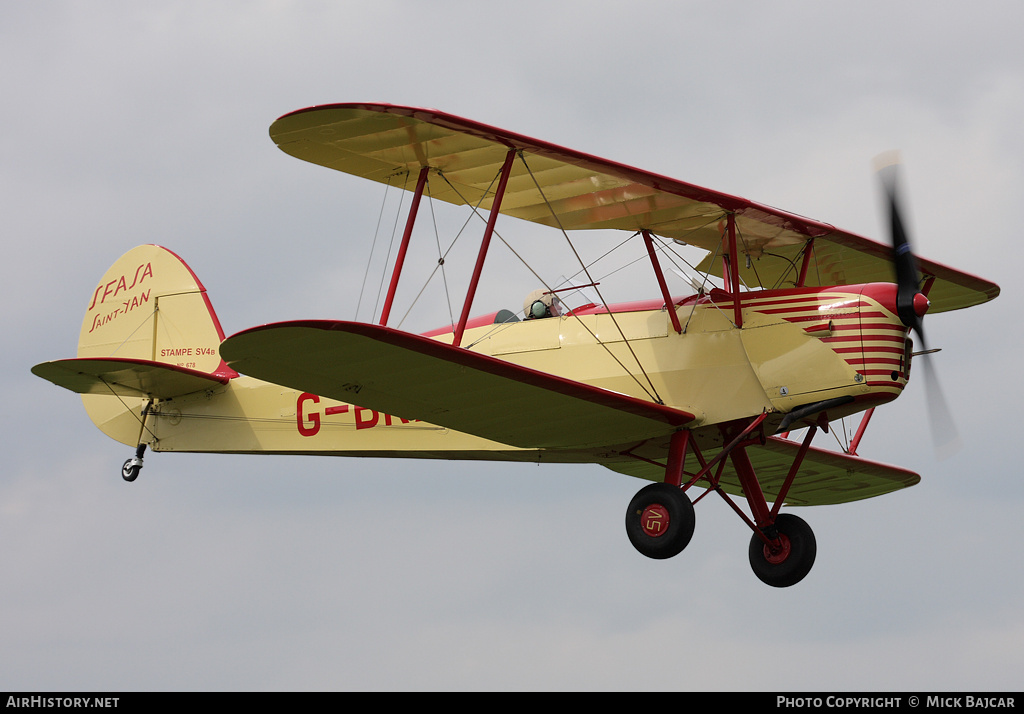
[(660, 520), (788, 563)]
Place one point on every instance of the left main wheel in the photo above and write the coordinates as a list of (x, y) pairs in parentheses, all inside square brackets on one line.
[(660, 520), (790, 561)]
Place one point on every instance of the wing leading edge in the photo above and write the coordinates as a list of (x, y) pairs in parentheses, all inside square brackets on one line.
[(415, 377)]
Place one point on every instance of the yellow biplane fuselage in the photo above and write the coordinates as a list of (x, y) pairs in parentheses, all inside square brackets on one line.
[(796, 347)]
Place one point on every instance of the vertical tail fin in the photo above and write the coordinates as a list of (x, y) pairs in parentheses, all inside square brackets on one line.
[(148, 306)]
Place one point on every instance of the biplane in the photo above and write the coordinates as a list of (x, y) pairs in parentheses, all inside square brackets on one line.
[(796, 325)]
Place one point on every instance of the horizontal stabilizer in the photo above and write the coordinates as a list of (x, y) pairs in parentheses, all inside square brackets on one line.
[(127, 377), (825, 477), (415, 377)]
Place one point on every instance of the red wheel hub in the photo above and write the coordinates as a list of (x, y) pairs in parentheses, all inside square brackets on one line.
[(654, 520), (778, 553)]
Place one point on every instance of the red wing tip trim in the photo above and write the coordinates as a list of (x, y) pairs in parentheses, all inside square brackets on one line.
[(492, 365)]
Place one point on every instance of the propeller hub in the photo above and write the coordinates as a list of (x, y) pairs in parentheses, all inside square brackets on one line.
[(921, 304)]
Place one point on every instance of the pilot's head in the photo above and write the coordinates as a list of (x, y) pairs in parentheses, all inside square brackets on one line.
[(541, 303)]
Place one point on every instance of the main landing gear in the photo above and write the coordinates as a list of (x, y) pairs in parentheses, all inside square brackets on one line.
[(786, 556), (660, 518)]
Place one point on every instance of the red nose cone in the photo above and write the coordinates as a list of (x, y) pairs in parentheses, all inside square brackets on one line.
[(921, 304)]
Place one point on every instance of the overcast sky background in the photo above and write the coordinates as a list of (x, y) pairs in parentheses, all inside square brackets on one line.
[(126, 123)]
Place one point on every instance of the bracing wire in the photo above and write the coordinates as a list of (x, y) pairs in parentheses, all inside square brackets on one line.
[(653, 392), (391, 245), (475, 211), (739, 234), (140, 419), (440, 256), (373, 247), (444, 256)]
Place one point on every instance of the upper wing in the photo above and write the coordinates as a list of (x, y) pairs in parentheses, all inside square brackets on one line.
[(126, 377), (390, 143), (415, 377), (824, 478)]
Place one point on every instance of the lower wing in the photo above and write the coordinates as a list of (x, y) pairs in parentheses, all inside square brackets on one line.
[(825, 477), (415, 377)]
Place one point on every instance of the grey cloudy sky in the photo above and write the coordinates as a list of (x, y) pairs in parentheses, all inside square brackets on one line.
[(126, 123)]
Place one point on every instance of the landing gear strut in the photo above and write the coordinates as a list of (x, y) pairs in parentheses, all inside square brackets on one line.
[(660, 518), (130, 469)]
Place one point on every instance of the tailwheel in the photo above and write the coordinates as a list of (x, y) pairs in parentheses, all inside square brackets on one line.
[(787, 560), (130, 469), (660, 520)]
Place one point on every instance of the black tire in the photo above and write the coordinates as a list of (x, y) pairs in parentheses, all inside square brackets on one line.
[(660, 521), (793, 562), (128, 472)]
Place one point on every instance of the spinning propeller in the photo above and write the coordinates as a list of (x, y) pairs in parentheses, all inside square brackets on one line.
[(911, 304)]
